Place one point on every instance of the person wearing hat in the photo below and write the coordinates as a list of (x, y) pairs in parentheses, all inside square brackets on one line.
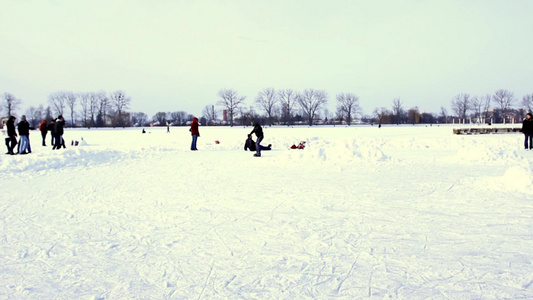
[(11, 134), (195, 133), (24, 133), (43, 128), (527, 130)]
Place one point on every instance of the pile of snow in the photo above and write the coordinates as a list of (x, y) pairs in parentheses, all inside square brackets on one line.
[(410, 212)]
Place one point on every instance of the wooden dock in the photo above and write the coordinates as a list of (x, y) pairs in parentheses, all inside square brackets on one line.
[(487, 130)]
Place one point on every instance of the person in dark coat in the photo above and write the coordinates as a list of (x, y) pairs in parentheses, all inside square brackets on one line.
[(195, 133), (60, 123), (258, 130), (52, 127), (43, 128), (24, 136), (250, 144), (12, 134), (527, 130)]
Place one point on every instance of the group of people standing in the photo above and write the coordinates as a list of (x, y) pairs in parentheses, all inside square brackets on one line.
[(56, 128)]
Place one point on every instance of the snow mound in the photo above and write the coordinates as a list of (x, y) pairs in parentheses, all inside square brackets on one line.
[(482, 154), (514, 179), (58, 159), (339, 152), (518, 178)]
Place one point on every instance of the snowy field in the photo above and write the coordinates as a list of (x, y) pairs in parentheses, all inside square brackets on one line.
[(398, 212)]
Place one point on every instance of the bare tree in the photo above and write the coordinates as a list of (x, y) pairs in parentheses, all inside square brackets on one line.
[(289, 102), (102, 109), (11, 104), (120, 102), (85, 103), (138, 118), (209, 113), (397, 110), (527, 102), (58, 101), (486, 106), (347, 106), (413, 115), (477, 105), (71, 99), (161, 118), (311, 101), (230, 100), (267, 100), (444, 114), (33, 116), (93, 107), (380, 114), (461, 105), (505, 99), (41, 113)]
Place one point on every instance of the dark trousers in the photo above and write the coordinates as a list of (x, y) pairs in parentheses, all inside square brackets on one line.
[(528, 138), (43, 134), (193, 143), (8, 141), (11, 142), (59, 141), (258, 145)]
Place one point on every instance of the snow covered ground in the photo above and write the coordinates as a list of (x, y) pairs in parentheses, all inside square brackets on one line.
[(408, 212)]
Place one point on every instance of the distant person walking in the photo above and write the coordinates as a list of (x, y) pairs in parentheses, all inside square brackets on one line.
[(24, 133), (195, 133), (43, 128), (60, 124), (52, 128), (258, 130), (527, 130), (12, 134)]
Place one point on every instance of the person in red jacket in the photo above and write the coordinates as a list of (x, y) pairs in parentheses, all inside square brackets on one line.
[(44, 130), (195, 133)]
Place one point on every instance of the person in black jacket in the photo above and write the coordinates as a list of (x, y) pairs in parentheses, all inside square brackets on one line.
[(527, 130), (259, 134), (250, 144), (12, 135), (24, 133), (60, 124)]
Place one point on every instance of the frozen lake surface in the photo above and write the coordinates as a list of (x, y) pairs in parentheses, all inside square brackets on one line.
[(408, 212)]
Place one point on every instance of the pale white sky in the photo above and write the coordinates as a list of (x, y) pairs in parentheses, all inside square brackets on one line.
[(176, 55)]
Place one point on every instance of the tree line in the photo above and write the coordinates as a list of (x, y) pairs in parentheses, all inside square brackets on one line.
[(87, 109), (270, 106)]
